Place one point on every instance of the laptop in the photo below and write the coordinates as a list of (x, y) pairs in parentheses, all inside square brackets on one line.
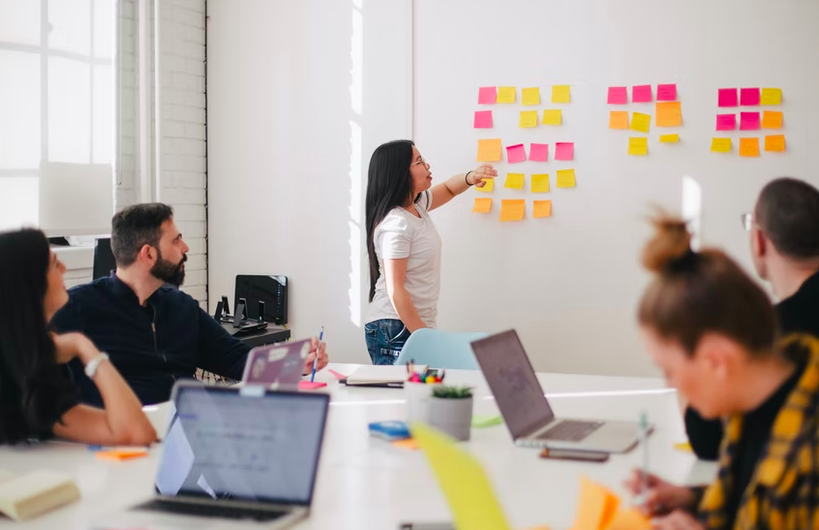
[(276, 365), (526, 410), (234, 458)]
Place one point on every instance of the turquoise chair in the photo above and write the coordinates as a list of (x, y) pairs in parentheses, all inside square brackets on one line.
[(440, 349)]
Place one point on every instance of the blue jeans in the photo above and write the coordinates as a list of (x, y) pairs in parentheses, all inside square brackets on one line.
[(385, 339)]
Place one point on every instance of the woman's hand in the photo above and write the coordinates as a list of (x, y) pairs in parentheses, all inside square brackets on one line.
[(67, 346), (661, 497), (482, 174), (319, 350)]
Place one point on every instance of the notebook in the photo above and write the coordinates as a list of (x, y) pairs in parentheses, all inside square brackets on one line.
[(382, 375)]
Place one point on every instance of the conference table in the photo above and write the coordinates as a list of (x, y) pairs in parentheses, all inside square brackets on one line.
[(364, 483)]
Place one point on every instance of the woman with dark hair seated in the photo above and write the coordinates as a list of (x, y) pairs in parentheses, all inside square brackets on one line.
[(38, 399)]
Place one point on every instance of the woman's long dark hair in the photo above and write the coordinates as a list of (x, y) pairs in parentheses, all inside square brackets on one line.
[(34, 391), (389, 185)]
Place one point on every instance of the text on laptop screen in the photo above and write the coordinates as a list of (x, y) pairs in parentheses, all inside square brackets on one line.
[(228, 446)]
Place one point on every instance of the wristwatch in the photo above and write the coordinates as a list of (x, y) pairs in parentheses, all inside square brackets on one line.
[(93, 364)]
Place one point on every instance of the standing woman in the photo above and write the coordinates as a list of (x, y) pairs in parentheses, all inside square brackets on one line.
[(403, 246)]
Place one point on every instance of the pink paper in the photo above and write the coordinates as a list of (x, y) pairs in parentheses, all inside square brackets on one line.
[(564, 151), (727, 97), (726, 122), (749, 97), (515, 154), (487, 95), (483, 119), (339, 376), (539, 152), (748, 121), (667, 92), (618, 95), (307, 385), (641, 94)]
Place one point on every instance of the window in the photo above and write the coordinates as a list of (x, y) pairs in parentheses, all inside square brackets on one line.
[(57, 114)]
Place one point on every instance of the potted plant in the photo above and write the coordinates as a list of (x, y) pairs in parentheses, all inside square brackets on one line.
[(450, 410)]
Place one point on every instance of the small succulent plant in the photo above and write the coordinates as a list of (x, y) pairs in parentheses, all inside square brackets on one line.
[(452, 392)]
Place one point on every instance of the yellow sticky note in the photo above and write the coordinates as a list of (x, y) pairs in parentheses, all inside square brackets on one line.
[(721, 145), (489, 185), (749, 147), (669, 114), (618, 119), (528, 118), (771, 96), (489, 150), (771, 119), (472, 501), (669, 138), (482, 205), (506, 94), (514, 181), (512, 210), (775, 142), (640, 122), (542, 209), (552, 117), (540, 183), (561, 94), (629, 519), (596, 508), (531, 96), (565, 178), (638, 146)]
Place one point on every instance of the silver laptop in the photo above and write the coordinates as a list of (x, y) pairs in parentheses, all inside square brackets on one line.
[(526, 410), (234, 458)]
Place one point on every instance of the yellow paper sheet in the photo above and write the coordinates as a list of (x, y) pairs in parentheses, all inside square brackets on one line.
[(540, 183), (629, 519), (512, 210), (552, 117), (596, 507), (531, 96), (775, 142), (771, 119), (669, 138), (514, 181), (561, 94), (472, 501), (482, 205), (489, 150), (749, 147), (618, 119), (565, 178), (506, 94), (487, 187), (669, 114), (640, 122), (771, 96), (637, 146), (542, 209), (528, 118), (721, 145)]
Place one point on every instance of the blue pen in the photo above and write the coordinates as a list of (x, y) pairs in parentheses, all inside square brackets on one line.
[(321, 337)]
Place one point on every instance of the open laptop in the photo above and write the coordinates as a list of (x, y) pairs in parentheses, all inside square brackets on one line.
[(526, 410), (234, 458), (276, 365)]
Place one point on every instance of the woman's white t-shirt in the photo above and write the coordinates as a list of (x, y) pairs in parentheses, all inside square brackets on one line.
[(403, 235)]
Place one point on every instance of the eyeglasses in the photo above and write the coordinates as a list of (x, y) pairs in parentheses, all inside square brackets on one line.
[(747, 221), (419, 161)]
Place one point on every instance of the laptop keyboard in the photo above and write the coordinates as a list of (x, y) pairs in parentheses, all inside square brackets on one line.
[(570, 431), (211, 510)]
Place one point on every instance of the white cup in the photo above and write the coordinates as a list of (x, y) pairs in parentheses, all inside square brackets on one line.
[(417, 396)]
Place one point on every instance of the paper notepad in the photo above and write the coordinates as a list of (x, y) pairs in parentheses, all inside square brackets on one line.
[(27, 496), (381, 375)]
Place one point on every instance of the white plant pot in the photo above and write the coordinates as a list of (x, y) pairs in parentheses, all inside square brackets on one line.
[(452, 416), (418, 396)]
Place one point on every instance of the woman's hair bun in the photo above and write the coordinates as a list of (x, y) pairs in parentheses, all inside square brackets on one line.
[(671, 243)]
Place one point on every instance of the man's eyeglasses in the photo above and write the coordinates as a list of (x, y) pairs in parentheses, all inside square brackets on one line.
[(747, 221)]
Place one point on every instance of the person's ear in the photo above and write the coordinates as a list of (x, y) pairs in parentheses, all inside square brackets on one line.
[(147, 254), (721, 355), (760, 242)]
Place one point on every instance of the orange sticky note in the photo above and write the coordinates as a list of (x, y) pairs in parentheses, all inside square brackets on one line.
[(408, 443), (669, 114), (565, 178), (596, 508), (542, 209), (121, 454), (488, 186), (618, 119), (749, 147), (489, 150), (512, 210), (775, 142), (771, 119), (540, 183), (482, 205), (629, 519)]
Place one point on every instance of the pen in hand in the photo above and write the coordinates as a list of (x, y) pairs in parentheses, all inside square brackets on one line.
[(315, 360)]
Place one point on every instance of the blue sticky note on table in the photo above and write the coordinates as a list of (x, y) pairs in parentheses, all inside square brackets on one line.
[(390, 430)]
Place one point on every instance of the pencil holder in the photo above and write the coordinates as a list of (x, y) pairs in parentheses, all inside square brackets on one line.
[(417, 396)]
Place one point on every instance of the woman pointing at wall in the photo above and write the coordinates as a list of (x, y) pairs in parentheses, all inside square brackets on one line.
[(403, 246)]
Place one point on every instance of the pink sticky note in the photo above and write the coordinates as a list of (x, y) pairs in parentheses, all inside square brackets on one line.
[(726, 122), (641, 94), (308, 385), (667, 92), (487, 95), (749, 97), (618, 95), (564, 151), (515, 154), (539, 152), (339, 376), (483, 119), (727, 97), (748, 121)]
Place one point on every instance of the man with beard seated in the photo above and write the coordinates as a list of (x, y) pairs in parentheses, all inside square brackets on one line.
[(153, 333)]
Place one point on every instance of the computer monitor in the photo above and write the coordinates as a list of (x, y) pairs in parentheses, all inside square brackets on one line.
[(270, 289), (104, 261)]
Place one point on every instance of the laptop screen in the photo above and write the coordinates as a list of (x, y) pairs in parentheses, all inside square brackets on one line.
[(227, 445), (513, 382)]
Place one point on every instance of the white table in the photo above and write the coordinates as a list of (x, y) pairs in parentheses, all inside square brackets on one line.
[(364, 483)]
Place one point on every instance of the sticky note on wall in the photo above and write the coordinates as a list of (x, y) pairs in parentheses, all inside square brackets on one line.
[(514, 181), (561, 94), (552, 117), (749, 97), (618, 119), (641, 94), (541, 209), (482, 205), (727, 97), (640, 122), (483, 119), (487, 95), (512, 210), (638, 146), (749, 147), (566, 178), (771, 119), (669, 138), (726, 122), (771, 96), (515, 153), (489, 150), (540, 183), (528, 118), (618, 95), (721, 145), (775, 143), (539, 152), (564, 151), (667, 92), (507, 94), (488, 186), (748, 121), (669, 114), (530, 96)]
